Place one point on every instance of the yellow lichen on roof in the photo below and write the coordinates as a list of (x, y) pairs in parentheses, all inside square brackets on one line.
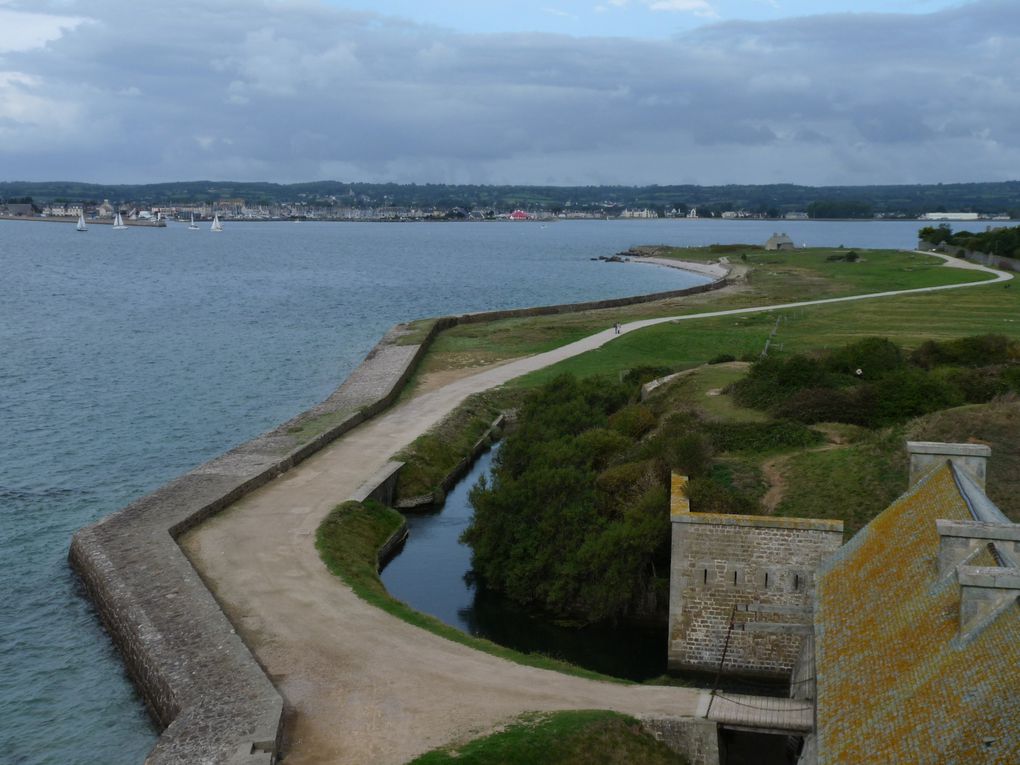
[(895, 684)]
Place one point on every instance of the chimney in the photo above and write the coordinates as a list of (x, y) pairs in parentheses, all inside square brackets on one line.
[(969, 457), (985, 593), (960, 540)]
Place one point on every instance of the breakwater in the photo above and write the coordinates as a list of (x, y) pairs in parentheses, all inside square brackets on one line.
[(201, 682)]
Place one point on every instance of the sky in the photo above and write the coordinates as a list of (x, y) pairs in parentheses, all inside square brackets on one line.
[(558, 92)]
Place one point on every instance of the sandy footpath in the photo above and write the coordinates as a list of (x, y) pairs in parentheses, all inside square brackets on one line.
[(364, 686)]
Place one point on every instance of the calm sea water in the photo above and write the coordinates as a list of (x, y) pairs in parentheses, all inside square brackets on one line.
[(126, 358)]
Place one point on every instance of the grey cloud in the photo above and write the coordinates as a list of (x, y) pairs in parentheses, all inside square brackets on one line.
[(300, 91)]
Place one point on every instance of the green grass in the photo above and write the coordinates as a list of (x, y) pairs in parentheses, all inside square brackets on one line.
[(852, 484), (348, 541), (856, 482), (773, 278), (433, 456), (906, 320), (561, 738)]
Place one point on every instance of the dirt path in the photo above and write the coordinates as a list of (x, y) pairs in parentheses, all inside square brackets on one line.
[(366, 687)]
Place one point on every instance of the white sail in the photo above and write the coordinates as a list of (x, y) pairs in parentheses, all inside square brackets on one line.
[(216, 225), (81, 222), (118, 223), (193, 226)]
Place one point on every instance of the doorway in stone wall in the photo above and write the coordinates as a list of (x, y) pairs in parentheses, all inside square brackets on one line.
[(744, 747)]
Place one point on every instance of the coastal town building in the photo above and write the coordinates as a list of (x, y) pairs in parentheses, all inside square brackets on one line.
[(779, 242)]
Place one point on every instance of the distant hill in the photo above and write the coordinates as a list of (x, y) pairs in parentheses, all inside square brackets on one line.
[(776, 199)]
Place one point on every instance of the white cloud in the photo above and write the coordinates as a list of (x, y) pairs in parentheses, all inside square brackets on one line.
[(697, 7), (21, 30), (295, 91)]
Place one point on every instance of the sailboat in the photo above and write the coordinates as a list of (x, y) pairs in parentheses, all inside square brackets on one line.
[(118, 223), (193, 226), (81, 222), (216, 225)]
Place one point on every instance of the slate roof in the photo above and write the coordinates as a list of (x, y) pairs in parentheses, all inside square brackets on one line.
[(896, 683)]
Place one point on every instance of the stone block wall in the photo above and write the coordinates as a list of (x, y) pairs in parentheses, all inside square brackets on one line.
[(695, 738), (755, 570)]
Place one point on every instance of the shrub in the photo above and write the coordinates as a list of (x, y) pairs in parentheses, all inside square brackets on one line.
[(709, 496), (820, 405), (761, 436), (874, 356), (908, 393), (633, 421), (772, 380), (722, 358), (976, 351)]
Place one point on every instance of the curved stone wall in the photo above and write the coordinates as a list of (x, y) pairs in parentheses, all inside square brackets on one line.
[(202, 684)]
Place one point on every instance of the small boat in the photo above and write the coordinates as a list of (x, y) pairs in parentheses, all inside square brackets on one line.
[(81, 222), (216, 225), (193, 226), (118, 223)]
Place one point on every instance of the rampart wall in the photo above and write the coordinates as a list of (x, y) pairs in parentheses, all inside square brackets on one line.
[(755, 571), (201, 683)]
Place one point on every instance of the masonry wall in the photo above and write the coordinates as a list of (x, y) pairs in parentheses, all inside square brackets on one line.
[(200, 681), (723, 564)]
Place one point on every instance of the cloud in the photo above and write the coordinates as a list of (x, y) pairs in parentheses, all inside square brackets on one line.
[(303, 90), (697, 7), (25, 30)]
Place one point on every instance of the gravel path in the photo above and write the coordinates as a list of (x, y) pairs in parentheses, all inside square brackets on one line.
[(366, 687)]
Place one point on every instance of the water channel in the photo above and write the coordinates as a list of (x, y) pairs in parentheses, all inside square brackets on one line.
[(433, 574)]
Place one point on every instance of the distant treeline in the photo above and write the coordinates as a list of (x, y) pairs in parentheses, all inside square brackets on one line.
[(774, 199), (1002, 242)]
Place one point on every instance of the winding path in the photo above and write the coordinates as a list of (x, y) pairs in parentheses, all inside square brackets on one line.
[(364, 686)]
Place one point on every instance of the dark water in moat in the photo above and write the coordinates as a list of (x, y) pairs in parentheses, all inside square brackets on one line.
[(127, 358), (431, 574)]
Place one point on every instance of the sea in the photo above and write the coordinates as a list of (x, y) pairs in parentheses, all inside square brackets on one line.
[(129, 357)]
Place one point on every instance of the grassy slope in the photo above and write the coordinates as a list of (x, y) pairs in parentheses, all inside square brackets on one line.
[(432, 456), (348, 541), (857, 482), (562, 738)]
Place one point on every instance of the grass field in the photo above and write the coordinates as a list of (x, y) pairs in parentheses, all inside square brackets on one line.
[(561, 738), (908, 320), (771, 278)]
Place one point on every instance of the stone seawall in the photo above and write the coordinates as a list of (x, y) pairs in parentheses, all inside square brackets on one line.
[(200, 681)]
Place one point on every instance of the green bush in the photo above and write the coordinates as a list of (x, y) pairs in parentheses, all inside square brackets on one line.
[(977, 351), (761, 436), (709, 496), (813, 405), (633, 421), (909, 393), (873, 356), (773, 379)]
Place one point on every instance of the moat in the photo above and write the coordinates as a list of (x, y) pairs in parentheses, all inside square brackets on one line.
[(432, 573)]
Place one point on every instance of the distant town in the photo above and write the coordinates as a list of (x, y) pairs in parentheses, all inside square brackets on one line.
[(154, 204), (335, 210)]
